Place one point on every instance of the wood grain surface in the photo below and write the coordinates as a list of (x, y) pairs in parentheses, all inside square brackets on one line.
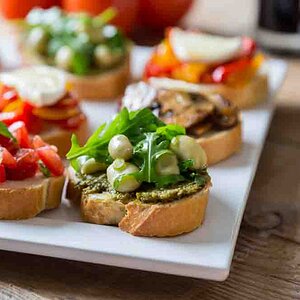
[(266, 262)]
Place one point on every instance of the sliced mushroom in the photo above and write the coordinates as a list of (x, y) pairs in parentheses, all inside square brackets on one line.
[(173, 101)]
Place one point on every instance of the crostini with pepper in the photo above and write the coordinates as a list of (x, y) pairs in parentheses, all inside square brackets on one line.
[(230, 66)]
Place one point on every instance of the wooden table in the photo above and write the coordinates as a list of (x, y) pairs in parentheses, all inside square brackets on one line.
[(266, 263)]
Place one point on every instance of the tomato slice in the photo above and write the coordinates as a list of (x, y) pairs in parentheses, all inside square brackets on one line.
[(26, 167), (51, 160), (37, 142), (9, 144), (72, 123), (67, 102), (2, 174), (19, 131), (7, 159)]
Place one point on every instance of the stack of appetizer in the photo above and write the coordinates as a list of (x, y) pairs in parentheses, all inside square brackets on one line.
[(94, 54), (136, 172), (228, 66), (38, 97), (31, 174)]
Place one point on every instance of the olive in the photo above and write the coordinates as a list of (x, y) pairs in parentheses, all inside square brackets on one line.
[(105, 57), (186, 148), (37, 39), (126, 183), (120, 147), (92, 166), (64, 57), (167, 164)]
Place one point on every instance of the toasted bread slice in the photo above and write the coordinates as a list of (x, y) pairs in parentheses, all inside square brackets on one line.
[(141, 219), (105, 86), (26, 198), (219, 145), (61, 138)]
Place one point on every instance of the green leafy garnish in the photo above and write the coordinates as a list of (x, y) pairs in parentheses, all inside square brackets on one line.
[(5, 132), (105, 17), (146, 155), (132, 124)]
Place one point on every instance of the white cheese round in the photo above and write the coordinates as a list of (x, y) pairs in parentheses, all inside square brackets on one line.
[(39, 85), (192, 46)]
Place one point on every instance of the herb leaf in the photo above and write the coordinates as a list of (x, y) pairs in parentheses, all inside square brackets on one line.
[(132, 124), (5, 132)]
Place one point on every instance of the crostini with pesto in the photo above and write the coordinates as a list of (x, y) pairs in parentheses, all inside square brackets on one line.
[(138, 173)]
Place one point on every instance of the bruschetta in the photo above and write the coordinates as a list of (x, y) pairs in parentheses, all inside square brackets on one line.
[(138, 173), (38, 96), (229, 66), (93, 53), (211, 119), (31, 174)]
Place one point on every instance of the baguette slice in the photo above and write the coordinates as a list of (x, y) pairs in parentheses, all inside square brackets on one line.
[(61, 138), (140, 219), (219, 145), (26, 198)]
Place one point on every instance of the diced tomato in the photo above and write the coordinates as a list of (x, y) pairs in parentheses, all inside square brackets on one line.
[(9, 144), (2, 173), (248, 46), (20, 132), (223, 72), (51, 160), (26, 167), (9, 118), (37, 142), (6, 158)]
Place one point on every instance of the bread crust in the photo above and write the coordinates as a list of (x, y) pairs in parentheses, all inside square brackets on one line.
[(27, 198), (248, 95), (141, 219), (61, 138), (222, 144)]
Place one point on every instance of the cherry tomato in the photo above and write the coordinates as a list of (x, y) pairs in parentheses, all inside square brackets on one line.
[(2, 174), (162, 13), (20, 132), (6, 158), (223, 72), (26, 167), (51, 160)]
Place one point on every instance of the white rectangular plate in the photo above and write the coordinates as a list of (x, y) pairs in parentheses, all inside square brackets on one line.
[(205, 253)]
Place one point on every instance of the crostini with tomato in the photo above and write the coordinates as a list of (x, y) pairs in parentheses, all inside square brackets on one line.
[(31, 173), (38, 97), (230, 66)]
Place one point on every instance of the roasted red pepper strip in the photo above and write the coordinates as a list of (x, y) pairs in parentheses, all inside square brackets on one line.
[(222, 73)]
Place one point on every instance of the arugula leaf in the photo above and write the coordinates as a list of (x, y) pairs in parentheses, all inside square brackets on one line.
[(171, 130), (146, 154), (5, 132), (131, 124)]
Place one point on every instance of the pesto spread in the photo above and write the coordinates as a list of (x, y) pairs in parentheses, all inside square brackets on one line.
[(98, 183)]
